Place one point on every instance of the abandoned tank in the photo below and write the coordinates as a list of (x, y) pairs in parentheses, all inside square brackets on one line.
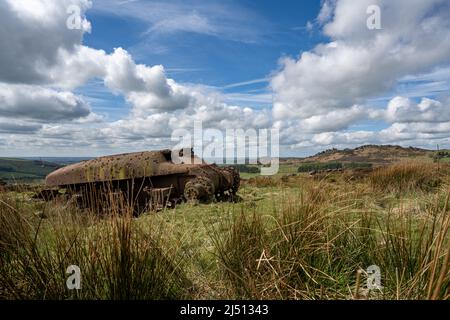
[(149, 180)]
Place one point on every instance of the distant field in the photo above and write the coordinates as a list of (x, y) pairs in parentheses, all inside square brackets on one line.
[(59, 160), (25, 171)]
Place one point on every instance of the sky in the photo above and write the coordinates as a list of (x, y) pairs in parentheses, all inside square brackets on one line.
[(91, 78)]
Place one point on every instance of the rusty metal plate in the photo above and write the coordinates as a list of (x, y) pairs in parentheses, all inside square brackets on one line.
[(117, 167)]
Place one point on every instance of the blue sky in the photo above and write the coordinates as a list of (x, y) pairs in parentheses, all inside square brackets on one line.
[(326, 74), (237, 64)]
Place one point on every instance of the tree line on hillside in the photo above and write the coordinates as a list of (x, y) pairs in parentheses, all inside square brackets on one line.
[(319, 166), (246, 168), (441, 155)]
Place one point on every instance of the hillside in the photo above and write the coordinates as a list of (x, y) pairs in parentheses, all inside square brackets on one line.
[(22, 170), (375, 154)]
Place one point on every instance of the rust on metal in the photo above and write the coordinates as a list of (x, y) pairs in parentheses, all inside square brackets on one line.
[(152, 171)]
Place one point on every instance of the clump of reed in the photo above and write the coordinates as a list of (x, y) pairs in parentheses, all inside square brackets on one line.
[(315, 250), (408, 177), (116, 257)]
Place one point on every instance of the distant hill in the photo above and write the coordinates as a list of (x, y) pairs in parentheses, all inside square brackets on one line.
[(25, 171), (375, 154), (63, 161)]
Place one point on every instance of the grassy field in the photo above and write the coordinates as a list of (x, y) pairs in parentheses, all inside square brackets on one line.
[(22, 170), (291, 237)]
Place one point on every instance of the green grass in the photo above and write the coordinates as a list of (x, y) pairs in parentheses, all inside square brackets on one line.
[(119, 258), (20, 170), (290, 238)]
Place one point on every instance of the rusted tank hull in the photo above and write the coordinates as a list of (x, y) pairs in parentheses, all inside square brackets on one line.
[(117, 167), (147, 178)]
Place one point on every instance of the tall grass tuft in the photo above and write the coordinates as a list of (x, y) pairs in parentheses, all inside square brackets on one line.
[(313, 250), (408, 176), (239, 251), (118, 260)]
